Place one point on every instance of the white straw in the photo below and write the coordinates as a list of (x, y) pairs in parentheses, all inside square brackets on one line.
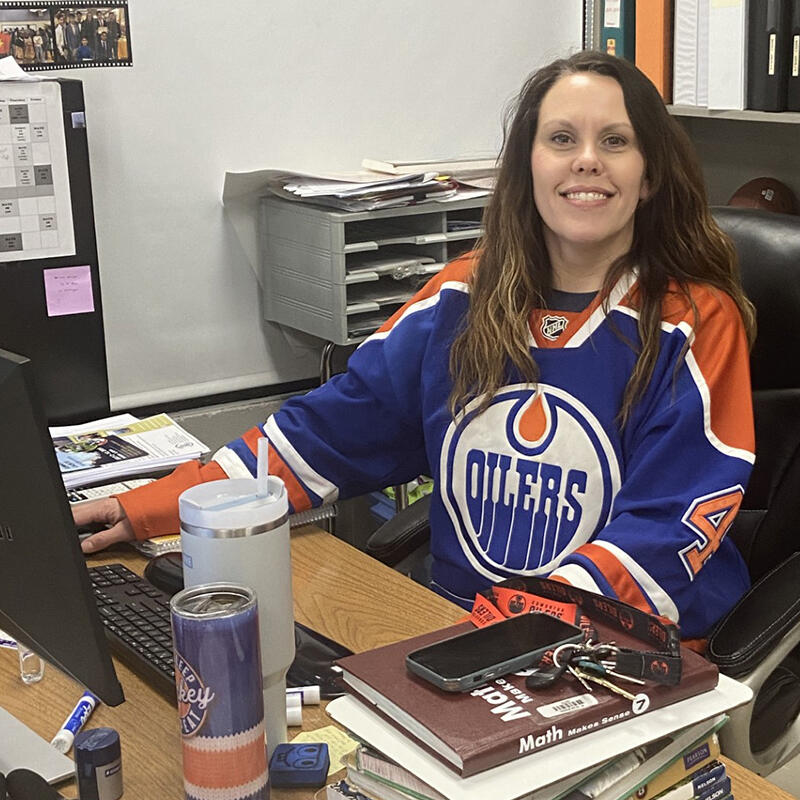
[(262, 470)]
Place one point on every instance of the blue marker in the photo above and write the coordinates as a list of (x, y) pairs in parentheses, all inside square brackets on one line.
[(62, 741)]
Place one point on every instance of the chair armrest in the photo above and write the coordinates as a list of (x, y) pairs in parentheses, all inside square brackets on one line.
[(758, 621), (402, 534)]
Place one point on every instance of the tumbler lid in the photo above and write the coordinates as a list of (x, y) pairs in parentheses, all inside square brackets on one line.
[(232, 507)]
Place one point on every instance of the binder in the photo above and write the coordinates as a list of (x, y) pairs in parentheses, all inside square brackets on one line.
[(768, 55), (654, 43), (702, 52), (684, 53), (793, 92), (727, 53), (618, 31)]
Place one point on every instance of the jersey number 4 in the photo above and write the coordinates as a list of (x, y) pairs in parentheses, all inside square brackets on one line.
[(709, 517)]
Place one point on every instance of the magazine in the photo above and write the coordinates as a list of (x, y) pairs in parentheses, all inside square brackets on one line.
[(112, 448)]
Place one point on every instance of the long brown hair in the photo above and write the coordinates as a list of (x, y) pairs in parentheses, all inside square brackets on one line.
[(675, 238)]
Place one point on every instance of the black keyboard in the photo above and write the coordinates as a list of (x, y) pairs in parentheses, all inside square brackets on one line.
[(136, 618), (137, 623)]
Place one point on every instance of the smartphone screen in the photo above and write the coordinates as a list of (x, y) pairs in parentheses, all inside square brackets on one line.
[(503, 641)]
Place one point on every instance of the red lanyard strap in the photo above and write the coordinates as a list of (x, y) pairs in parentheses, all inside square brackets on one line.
[(662, 665)]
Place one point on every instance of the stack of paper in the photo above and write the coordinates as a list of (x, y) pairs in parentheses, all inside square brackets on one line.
[(368, 196), (475, 177), (108, 449)]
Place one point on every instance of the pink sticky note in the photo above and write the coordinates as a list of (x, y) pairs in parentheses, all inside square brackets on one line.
[(68, 290)]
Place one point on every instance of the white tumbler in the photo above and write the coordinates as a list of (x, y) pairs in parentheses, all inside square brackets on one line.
[(229, 532)]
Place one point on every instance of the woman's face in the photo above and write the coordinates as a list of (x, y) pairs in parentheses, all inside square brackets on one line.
[(587, 169)]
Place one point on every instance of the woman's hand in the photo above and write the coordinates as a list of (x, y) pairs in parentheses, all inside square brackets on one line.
[(109, 512)]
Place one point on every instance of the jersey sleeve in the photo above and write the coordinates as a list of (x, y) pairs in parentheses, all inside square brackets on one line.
[(363, 429), (688, 456), (360, 431)]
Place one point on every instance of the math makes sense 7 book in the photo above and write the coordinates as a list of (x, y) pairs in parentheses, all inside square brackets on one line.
[(502, 721)]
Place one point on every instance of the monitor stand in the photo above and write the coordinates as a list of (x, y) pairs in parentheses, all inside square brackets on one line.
[(23, 747)]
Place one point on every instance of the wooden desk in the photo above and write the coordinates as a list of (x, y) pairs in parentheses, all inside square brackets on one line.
[(338, 591)]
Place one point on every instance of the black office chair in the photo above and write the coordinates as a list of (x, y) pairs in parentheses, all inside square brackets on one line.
[(757, 643)]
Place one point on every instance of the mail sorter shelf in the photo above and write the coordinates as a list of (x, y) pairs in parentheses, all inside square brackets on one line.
[(339, 275)]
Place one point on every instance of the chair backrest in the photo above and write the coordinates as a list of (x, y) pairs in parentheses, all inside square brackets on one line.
[(768, 246)]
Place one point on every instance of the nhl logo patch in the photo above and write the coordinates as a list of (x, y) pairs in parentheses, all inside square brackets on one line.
[(553, 326)]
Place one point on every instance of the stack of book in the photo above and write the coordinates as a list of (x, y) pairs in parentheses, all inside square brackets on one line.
[(506, 742)]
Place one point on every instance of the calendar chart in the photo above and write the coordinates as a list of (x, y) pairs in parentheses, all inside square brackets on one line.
[(35, 203)]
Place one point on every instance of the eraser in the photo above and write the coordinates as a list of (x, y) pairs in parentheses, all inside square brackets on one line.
[(303, 764)]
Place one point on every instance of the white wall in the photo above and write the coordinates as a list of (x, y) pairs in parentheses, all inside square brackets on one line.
[(247, 84)]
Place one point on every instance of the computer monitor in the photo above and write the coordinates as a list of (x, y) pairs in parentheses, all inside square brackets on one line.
[(46, 599)]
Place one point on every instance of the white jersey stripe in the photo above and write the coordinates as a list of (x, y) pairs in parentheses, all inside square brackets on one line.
[(420, 305), (230, 462), (598, 316), (576, 576), (309, 477), (657, 596), (702, 388)]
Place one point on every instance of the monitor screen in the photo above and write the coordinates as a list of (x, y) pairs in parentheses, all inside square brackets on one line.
[(46, 599)]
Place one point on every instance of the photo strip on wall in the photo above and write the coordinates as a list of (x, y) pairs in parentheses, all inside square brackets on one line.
[(47, 36)]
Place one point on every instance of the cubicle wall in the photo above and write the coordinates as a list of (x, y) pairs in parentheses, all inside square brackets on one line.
[(247, 84)]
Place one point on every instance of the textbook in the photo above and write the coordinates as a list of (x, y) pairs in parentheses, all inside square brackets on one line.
[(109, 449), (694, 761), (503, 721), (667, 751), (379, 777), (709, 783)]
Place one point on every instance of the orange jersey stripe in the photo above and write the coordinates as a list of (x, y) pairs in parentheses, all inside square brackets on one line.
[(615, 573), (297, 496), (458, 270), (277, 466), (720, 352)]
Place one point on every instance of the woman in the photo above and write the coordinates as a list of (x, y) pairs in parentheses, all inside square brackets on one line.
[(578, 387)]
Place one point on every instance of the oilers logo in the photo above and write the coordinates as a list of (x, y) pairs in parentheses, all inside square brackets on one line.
[(516, 511)]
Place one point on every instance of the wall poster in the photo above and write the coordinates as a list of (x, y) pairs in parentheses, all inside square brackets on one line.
[(46, 35), (35, 200)]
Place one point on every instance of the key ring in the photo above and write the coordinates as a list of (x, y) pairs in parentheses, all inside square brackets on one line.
[(561, 647)]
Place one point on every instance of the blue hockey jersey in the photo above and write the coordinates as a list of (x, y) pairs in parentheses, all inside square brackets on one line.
[(544, 482)]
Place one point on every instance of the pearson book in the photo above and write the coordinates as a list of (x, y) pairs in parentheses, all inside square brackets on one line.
[(503, 720)]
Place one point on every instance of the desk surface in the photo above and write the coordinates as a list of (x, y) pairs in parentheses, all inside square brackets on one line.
[(338, 591)]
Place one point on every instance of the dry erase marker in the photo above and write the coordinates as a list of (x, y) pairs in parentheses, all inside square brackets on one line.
[(308, 694), (62, 741)]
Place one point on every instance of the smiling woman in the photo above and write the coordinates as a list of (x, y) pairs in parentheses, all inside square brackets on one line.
[(577, 387), (588, 179)]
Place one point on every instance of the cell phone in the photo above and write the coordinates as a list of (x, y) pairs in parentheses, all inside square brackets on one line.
[(469, 660)]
